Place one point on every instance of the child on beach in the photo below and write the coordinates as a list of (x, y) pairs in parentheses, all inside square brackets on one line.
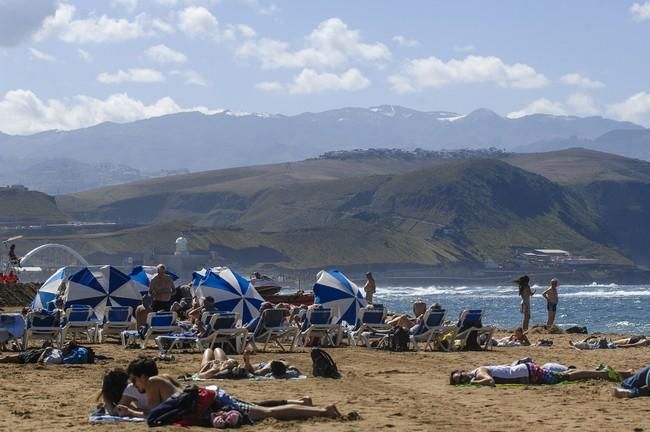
[(551, 302)]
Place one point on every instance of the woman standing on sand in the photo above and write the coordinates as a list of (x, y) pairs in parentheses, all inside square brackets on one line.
[(525, 293)]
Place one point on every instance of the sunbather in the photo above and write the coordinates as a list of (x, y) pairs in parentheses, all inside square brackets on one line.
[(143, 373), (530, 373), (635, 385), (117, 391), (70, 353), (593, 342), (518, 338), (217, 365)]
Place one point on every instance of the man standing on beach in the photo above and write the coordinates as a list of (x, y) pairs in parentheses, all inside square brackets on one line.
[(161, 289), (370, 287), (551, 302)]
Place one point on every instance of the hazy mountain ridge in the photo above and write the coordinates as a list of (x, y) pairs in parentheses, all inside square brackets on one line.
[(198, 142)]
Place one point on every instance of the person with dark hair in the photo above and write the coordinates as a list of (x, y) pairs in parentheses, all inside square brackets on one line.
[(159, 388), (118, 392), (13, 258), (525, 293), (217, 365)]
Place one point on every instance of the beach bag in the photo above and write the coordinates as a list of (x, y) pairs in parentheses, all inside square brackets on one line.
[(323, 365), (399, 340), (175, 409)]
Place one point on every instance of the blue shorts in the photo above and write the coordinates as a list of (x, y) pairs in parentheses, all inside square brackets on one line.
[(551, 306), (225, 399)]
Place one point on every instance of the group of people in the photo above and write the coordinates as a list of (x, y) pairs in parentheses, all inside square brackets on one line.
[(140, 391), (550, 295), (10, 278)]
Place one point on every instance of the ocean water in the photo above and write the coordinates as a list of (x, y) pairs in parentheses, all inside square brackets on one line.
[(623, 309)]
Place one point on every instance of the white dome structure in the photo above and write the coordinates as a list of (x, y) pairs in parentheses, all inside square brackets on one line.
[(181, 246)]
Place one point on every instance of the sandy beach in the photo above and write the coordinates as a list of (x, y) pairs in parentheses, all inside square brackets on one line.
[(389, 391)]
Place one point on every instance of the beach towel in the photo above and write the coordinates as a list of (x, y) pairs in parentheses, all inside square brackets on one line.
[(100, 416)]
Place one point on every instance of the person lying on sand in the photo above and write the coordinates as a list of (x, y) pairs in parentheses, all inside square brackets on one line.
[(143, 373), (70, 353), (518, 338), (117, 391), (593, 342), (217, 365), (529, 373), (635, 385)]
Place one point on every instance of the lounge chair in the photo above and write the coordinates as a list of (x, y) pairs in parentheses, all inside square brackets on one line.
[(226, 327), (116, 320), (318, 323), (431, 329), (470, 322), (44, 327), (159, 323), (271, 328), (79, 319), (370, 320)]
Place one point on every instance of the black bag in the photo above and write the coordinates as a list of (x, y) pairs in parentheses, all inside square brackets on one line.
[(175, 408), (323, 365), (399, 339)]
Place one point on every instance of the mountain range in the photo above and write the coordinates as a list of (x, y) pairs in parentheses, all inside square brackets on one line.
[(195, 141)]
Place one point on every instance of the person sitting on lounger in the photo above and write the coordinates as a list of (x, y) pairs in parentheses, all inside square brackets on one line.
[(593, 342), (143, 373), (529, 373)]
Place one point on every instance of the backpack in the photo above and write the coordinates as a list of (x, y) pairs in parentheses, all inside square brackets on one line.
[(399, 339), (323, 365)]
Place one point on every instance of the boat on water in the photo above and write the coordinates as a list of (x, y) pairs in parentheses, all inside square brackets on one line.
[(270, 289), (265, 285)]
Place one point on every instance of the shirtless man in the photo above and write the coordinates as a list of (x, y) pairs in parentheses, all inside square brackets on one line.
[(370, 287), (551, 303), (530, 373), (161, 289), (143, 373)]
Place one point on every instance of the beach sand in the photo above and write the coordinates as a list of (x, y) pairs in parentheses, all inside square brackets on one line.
[(389, 391)]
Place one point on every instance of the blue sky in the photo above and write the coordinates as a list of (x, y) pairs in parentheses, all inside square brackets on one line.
[(71, 63)]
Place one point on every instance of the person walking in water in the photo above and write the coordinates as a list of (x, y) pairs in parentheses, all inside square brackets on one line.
[(370, 287), (525, 293), (551, 303)]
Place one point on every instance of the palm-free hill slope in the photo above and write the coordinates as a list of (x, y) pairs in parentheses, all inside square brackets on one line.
[(436, 212), (29, 207)]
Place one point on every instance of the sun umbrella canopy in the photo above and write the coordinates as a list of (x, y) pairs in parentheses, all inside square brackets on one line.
[(142, 276), (99, 287), (50, 289), (231, 292), (334, 290)]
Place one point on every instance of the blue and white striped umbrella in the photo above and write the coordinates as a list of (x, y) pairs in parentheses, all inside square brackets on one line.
[(142, 276), (334, 290), (49, 290), (231, 292), (99, 287)]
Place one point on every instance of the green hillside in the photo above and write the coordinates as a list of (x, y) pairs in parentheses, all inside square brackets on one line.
[(28, 207)]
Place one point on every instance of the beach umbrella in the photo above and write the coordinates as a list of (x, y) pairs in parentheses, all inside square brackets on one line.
[(142, 276), (99, 287), (334, 290), (231, 292), (50, 289)]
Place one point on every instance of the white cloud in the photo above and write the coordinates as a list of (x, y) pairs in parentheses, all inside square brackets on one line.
[(85, 55), (540, 106), (164, 54), (260, 8), (332, 44), (269, 86), (129, 5), (310, 82), (19, 19), (198, 21), (22, 112), (641, 11), (582, 104), (575, 79), (40, 55), (636, 109), (190, 76), (404, 42), (131, 75), (419, 74), (98, 30)]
